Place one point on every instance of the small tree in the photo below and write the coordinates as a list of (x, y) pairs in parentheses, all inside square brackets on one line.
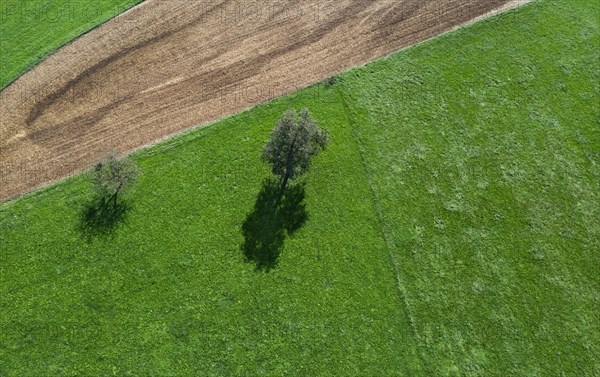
[(294, 142), (114, 176)]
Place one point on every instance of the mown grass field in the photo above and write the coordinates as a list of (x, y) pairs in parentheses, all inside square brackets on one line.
[(452, 228), (31, 29)]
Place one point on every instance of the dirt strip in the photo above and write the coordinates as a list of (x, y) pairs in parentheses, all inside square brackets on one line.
[(168, 65)]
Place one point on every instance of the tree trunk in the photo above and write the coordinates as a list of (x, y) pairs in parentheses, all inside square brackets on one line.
[(114, 198), (284, 183), (283, 186), (289, 166), (116, 194)]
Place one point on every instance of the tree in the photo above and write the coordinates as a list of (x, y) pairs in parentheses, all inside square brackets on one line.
[(114, 176), (294, 142)]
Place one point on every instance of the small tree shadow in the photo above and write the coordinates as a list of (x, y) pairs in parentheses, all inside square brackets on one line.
[(275, 214), (100, 217)]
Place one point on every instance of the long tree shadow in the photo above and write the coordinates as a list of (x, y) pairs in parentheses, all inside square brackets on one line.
[(100, 217), (275, 215)]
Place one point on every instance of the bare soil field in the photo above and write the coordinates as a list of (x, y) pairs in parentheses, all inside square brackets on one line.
[(168, 65)]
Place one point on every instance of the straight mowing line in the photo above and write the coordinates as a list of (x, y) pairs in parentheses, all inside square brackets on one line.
[(388, 243)]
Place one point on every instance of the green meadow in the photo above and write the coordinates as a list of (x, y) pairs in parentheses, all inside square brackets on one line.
[(451, 228)]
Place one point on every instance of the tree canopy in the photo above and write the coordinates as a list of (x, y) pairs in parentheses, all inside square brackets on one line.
[(294, 142), (114, 176)]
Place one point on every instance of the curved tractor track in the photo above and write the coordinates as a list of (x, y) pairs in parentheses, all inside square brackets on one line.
[(168, 65)]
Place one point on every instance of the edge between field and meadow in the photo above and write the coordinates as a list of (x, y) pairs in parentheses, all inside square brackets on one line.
[(46, 172)]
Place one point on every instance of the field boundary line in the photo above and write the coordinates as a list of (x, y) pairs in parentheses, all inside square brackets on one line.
[(401, 290)]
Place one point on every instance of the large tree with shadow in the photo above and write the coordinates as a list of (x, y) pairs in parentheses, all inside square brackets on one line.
[(279, 210)]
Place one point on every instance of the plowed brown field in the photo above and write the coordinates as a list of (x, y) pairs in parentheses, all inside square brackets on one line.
[(168, 65)]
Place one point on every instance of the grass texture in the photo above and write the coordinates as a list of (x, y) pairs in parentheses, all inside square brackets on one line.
[(452, 229)]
